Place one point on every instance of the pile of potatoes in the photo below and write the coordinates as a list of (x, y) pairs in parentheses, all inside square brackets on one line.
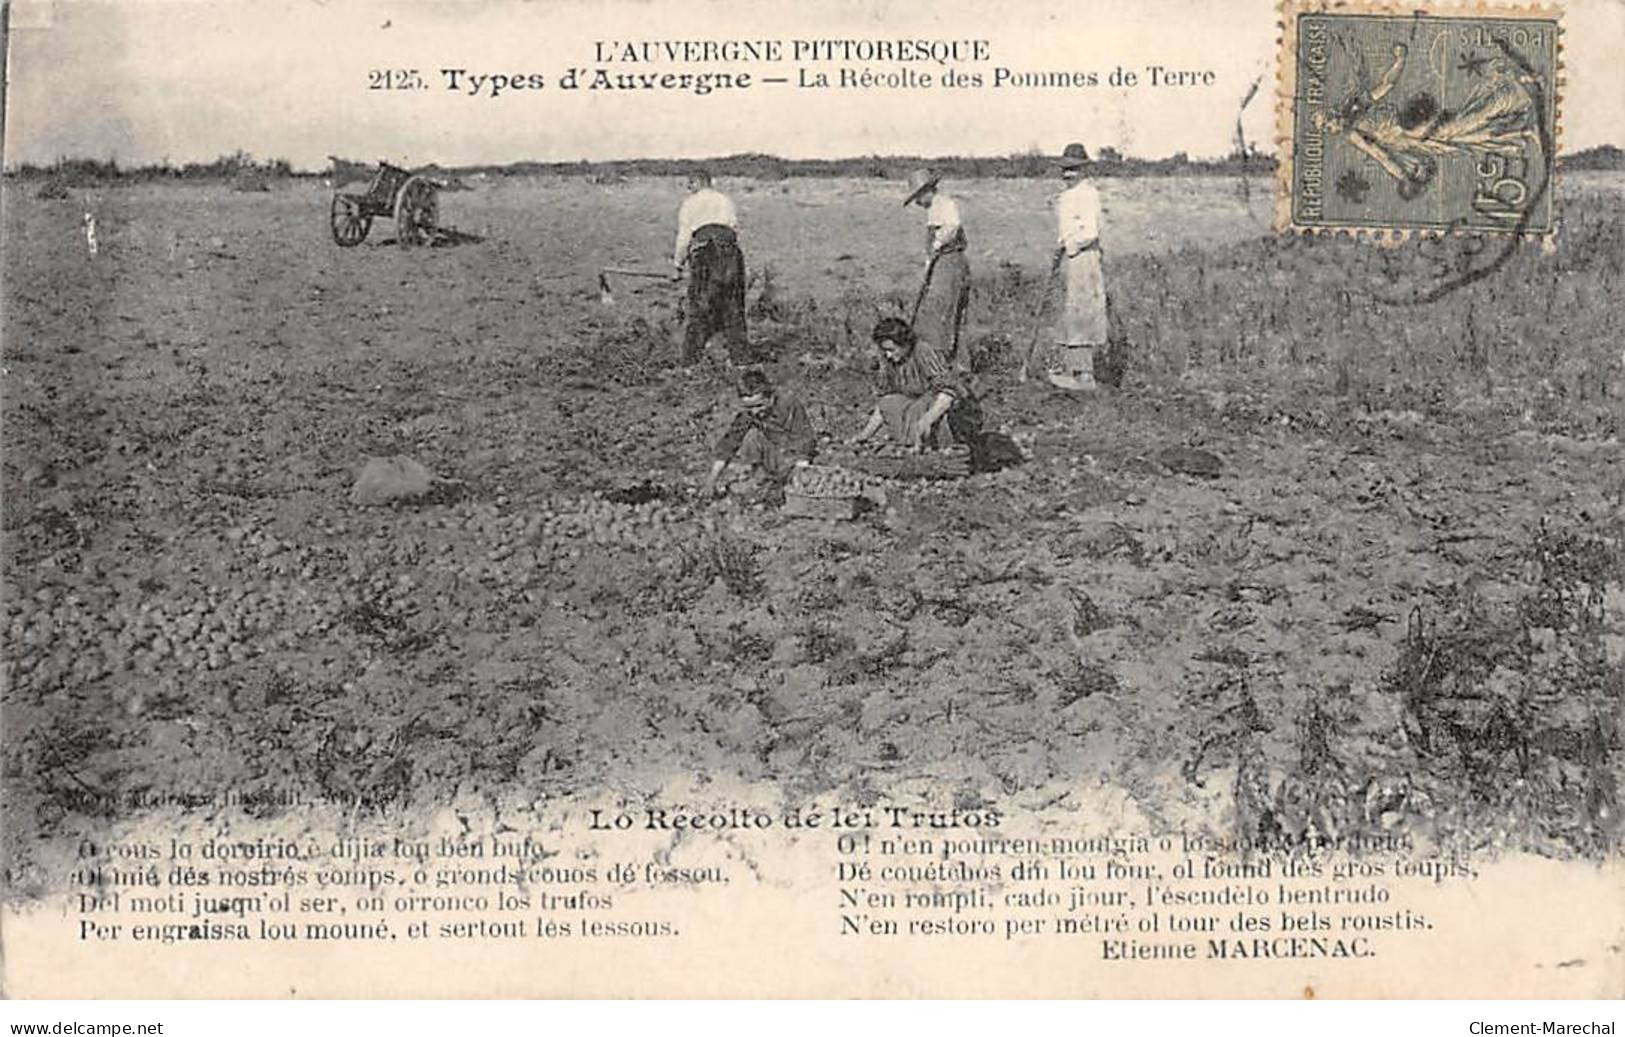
[(246, 592), (63, 638), (825, 481), (555, 524), (607, 523)]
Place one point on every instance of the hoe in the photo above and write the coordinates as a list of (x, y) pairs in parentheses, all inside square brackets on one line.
[(607, 297)]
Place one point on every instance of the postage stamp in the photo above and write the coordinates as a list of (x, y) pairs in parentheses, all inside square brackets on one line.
[(1418, 120)]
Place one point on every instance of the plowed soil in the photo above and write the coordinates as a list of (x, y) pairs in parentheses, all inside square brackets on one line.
[(1397, 607)]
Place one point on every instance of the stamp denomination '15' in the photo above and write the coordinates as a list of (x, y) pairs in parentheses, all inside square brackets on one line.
[(1415, 121)]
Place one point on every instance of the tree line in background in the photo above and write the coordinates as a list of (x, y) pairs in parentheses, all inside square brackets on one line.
[(226, 167), (248, 173)]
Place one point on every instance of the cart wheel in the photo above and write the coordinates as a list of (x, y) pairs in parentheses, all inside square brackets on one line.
[(416, 209), (349, 225)]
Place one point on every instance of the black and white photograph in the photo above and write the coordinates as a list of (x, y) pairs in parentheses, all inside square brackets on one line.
[(948, 500)]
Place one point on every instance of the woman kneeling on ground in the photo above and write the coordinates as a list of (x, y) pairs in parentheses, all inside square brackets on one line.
[(924, 402)]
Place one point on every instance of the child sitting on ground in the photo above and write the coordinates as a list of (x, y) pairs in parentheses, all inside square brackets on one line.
[(771, 431)]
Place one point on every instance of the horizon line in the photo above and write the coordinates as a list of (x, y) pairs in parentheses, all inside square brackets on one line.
[(251, 160)]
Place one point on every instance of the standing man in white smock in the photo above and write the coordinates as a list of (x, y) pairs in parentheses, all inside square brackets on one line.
[(1083, 326)]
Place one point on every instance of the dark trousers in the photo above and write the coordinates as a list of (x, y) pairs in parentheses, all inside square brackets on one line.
[(716, 293)]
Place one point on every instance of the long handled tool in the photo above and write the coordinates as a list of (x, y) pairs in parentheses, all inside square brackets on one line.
[(1038, 320), (925, 286), (626, 271), (607, 297)]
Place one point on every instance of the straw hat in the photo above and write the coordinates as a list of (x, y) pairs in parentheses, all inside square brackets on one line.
[(920, 181), (1074, 157)]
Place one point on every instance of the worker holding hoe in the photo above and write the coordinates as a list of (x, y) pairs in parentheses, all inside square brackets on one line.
[(939, 310), (1083, 326), (708, 248)]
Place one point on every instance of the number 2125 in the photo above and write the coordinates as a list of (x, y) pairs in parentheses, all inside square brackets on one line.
[(394, 79)]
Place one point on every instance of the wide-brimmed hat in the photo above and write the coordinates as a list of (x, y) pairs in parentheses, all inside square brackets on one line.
[(1074, 157), (920, 181)]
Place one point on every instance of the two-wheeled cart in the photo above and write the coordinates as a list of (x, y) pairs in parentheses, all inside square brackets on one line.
[(411, 199)]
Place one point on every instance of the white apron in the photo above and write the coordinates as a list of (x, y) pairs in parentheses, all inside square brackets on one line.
[(1083, 311)]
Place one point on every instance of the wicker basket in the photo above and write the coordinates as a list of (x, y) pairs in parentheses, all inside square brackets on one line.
[(822, 492), (953, 463)]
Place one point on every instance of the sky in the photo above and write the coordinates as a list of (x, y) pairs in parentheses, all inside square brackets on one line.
[(146, 81)]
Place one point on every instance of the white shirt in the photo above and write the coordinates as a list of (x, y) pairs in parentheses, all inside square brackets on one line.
[(1077, 216), (704, 206), (942, 217)]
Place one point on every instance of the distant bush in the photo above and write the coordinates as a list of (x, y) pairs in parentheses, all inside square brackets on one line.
[(1606, 157), (1030, 164), (73, 172), (237, 168)]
